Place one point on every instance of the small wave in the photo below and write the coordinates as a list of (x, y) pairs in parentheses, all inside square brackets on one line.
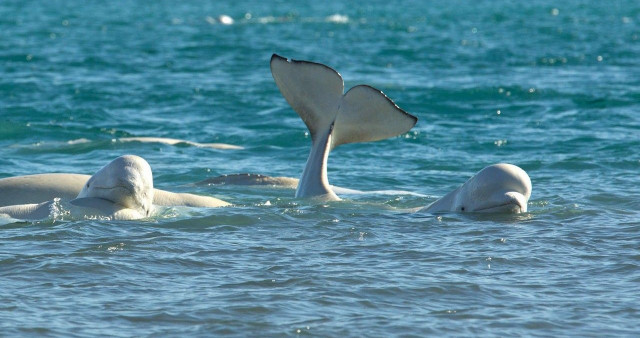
[(273, 19), (172, 141), (334, 18), (220, 19), (78, 141), (337, 18)]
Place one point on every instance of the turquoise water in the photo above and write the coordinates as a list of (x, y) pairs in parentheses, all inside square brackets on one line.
[(551, 87)]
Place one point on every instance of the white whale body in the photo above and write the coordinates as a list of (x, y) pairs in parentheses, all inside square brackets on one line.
[(123, 189), (40, 188), (363, 114)]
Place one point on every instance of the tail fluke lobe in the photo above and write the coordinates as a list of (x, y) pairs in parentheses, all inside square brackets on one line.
[(366, 115), (313, 90)]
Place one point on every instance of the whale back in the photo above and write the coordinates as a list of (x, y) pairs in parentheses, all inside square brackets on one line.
[(39, 188)]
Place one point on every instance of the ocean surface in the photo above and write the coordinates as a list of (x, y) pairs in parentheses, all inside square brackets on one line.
[(553, 87)]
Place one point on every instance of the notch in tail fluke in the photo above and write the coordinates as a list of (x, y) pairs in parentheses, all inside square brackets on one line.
[(363, 114)]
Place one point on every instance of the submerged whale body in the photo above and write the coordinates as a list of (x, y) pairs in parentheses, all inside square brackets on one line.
[(363, 114)]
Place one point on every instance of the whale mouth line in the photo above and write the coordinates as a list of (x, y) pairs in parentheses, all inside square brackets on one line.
[(512, 204), (124, 194), (129, 188)]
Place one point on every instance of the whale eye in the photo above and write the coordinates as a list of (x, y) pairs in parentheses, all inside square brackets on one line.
[(461, 208)]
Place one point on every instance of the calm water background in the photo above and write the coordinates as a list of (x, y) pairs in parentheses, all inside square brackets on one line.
[(551, 87)]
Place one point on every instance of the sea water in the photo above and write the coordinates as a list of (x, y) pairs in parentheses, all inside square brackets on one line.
[(553, 87)]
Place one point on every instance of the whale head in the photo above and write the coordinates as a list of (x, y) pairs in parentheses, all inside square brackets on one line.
[(499, 188), (126, 181), (496, 188)]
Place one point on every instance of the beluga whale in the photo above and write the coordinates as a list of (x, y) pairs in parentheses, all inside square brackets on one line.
[(121, 190), (362, 114), (498, 188), (38, 188)]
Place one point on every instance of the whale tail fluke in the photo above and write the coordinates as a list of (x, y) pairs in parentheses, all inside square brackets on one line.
[(366, 115), (363, 114), (315, 92)]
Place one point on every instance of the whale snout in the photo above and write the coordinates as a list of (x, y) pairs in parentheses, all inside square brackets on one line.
[(133, 191), (510, 202)]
